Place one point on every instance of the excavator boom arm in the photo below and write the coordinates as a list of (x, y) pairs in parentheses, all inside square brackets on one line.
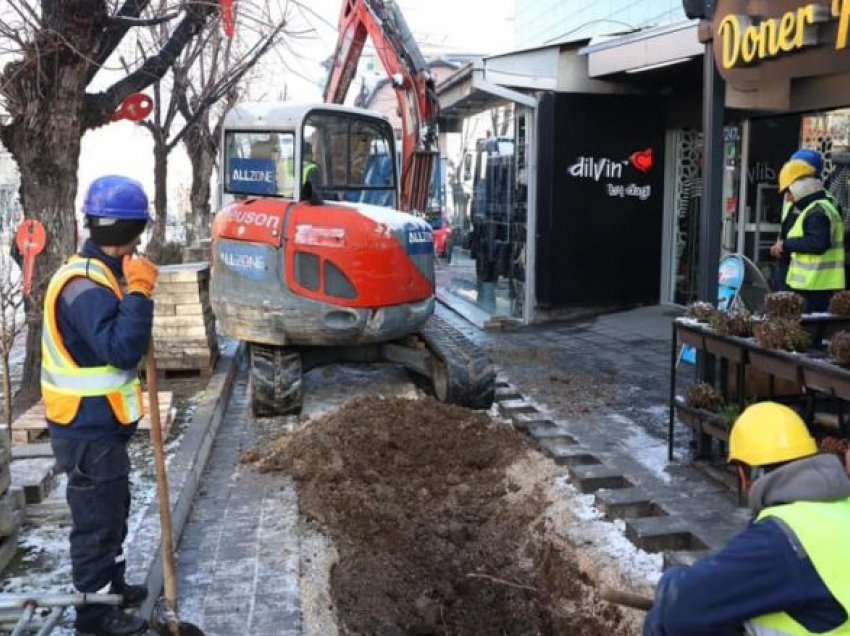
[(418, 107)]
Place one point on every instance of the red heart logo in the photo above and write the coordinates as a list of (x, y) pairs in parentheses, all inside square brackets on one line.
[(642, 160)]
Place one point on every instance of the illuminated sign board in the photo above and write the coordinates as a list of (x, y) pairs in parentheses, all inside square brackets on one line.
[(758, 41)]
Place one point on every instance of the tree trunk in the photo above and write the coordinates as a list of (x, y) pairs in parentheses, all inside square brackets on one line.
[(47, 149), (160, 200), (7, 393), (203, 163)]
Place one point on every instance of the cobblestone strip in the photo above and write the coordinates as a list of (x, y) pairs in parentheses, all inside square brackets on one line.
[(238, 563), (648, 525)]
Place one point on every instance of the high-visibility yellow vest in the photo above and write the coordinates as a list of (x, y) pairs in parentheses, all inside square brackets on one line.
[(311, 171), (64, 383), (822, 529), (815, 272)]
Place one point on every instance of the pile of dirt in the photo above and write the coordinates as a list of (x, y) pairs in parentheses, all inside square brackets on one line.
[(435, 534)]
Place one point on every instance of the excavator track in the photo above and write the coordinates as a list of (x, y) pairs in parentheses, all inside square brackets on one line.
[(467, 377), (276, 384)]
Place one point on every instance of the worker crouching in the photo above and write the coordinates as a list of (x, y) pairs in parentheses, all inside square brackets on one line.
[(94, 336), (787, 572), (812, 239)]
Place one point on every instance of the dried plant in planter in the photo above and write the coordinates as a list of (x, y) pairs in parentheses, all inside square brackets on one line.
[(784, 304), (840, 303), (702, 395), (701, 310), (839, 347), (738, 322), (781, 333)]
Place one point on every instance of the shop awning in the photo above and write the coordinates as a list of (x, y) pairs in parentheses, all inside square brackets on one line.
[(643, 50), (471, 90)]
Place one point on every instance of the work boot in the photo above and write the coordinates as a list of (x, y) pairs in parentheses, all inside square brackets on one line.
[(134, 595), (114, 623)]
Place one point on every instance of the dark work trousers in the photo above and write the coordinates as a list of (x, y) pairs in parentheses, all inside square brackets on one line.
[(99, 497), (816, 301)]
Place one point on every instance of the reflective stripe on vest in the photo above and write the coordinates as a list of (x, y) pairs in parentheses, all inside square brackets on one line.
[(815, 272), (64, 383), (821, 528)]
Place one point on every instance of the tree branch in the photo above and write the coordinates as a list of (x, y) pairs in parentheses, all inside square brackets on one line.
[(140, 22), (101, 106), (114, 34)]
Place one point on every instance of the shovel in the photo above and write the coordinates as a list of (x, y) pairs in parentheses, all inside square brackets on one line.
[(164, 620), (626, 599)]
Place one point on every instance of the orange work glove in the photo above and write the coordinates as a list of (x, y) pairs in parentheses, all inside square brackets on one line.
[(141, 275)]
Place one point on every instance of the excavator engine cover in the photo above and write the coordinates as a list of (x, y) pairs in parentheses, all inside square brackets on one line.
[(298, 273)]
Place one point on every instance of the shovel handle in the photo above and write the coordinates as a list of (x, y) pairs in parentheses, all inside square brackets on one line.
[(170, 582), (627, 599)]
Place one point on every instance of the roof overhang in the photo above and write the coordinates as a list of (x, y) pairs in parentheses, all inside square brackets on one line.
[(643, 50), (472, 90)]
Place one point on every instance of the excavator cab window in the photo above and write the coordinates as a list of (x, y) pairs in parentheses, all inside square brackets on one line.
[(260, 164), (349, 157)]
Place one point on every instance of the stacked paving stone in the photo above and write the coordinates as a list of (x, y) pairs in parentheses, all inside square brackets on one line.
[(183, 323), (11, 505)]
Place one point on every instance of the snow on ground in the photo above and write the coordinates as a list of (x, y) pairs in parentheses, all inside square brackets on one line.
[(43, 563), (650, 452), (606, 539)]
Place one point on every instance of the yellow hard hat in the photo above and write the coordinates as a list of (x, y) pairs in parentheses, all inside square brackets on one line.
[(769, 433), (793, 170)]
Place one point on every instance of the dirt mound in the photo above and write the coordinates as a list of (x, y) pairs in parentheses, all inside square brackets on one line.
[(433, 535)]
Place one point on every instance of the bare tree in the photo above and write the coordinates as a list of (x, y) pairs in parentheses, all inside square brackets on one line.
[(12, 325), (57, 49), (205, 83)]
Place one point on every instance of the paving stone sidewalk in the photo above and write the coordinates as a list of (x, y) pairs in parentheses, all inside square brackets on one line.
[(632, 350), (238, 558)]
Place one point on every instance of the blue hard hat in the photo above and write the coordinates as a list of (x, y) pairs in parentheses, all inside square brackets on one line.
[(117, 197), (811, 157)]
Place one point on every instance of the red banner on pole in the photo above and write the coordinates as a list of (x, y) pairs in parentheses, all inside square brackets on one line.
[(135, 108), (31, 240), (228, 17)]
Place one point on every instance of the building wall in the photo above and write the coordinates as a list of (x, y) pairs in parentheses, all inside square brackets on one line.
[(540, 22)]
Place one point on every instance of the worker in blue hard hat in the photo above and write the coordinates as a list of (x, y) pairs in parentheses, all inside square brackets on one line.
[(810, 246), (98, 317)]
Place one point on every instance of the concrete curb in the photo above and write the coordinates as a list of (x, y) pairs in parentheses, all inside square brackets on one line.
[(144, 558)]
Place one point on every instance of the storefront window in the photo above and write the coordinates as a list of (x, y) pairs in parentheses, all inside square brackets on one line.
[(485, 263), (829, 133)]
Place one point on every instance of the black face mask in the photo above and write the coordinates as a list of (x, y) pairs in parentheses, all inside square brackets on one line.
[(111, 232)]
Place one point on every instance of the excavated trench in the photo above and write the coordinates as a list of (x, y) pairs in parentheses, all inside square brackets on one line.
[(439, 519)]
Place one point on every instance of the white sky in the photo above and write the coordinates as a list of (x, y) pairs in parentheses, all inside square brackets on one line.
[(294, 70)]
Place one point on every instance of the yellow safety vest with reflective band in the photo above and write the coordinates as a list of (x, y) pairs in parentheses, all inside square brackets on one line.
[(818, 272), (311, 171), (64, 383), (822, 529)]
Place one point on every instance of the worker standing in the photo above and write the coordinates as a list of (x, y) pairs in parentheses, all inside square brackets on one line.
[(95, 334), (813, 245), (789, 215), (786, 573)]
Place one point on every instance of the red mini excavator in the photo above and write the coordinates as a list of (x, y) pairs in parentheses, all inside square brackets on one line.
[(313, 261)]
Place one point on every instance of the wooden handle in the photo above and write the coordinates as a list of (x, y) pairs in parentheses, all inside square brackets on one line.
[(627, 599), (170, 581)]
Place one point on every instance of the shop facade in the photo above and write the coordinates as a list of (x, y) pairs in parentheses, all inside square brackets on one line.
[(568, 210), (786, 67), (596, 197)]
